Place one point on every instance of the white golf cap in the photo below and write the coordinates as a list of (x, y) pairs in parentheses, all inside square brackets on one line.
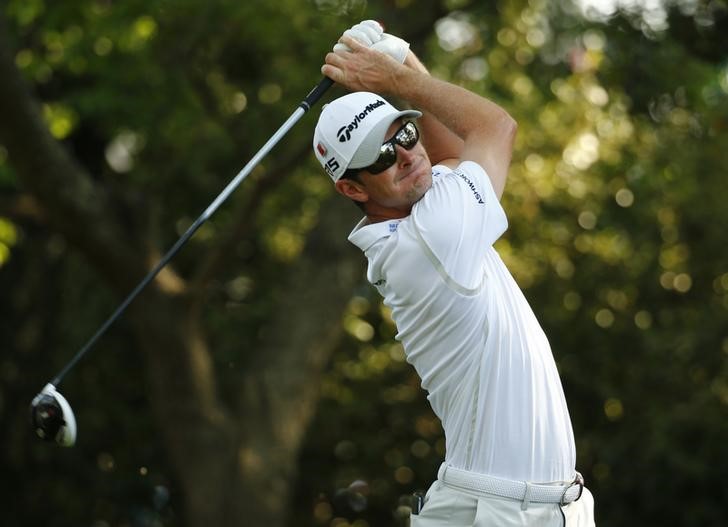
[(351, 129)]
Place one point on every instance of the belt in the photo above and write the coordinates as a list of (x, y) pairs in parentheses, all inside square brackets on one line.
[(523, 491)]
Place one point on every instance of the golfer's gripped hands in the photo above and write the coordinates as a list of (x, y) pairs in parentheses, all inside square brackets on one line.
[(368, 32), (371, 34), (363, 69)]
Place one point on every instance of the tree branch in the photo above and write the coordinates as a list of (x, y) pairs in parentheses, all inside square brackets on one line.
[(244, 221), (78, 208)]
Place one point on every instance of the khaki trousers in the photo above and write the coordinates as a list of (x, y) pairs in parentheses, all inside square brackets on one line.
[(448, 507)]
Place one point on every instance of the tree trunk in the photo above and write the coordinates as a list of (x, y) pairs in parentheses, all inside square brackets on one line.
[(237, 467)]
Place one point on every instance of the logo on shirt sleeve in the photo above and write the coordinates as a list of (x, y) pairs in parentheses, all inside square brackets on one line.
[(472, 187)]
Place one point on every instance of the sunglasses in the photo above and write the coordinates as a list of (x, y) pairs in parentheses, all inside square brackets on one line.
[(406, 136)]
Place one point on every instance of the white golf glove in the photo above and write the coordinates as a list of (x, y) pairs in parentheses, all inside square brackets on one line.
[(371, 34)]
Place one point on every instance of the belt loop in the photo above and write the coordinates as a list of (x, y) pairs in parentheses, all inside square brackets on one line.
[(441, 472), (526, 497)]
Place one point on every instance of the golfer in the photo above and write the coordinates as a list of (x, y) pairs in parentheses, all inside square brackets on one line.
[(429, 183)]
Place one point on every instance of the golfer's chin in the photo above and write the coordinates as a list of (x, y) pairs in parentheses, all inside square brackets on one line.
[(421, 183)]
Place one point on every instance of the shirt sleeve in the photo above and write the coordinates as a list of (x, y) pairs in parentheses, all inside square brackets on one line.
[(457, 220)]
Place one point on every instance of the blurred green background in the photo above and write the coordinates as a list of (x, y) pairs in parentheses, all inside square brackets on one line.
[(257, 382)]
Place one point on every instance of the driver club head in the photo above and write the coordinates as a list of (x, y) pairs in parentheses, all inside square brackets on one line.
[(52, 417)]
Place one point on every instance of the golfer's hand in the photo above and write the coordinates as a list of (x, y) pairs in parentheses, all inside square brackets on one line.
[(361, 68), (367, 32), (371, 34)]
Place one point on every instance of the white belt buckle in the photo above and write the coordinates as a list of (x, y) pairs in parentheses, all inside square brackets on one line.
[(579, 480)]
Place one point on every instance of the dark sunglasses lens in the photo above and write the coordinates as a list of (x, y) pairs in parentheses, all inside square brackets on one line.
[(408, 135), (387, 157)]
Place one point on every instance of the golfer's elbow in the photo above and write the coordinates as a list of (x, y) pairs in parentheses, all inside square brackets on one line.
[(498, 130), (500, 149), (509, 127)]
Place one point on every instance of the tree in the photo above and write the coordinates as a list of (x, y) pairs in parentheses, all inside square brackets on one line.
[(216, 455), (615, 237), (118, 120)]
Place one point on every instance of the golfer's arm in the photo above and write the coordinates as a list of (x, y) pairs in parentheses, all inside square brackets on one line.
[(487, 131), (442, 145)]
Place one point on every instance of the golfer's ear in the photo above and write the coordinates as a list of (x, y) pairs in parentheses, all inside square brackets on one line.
[(352, 190)]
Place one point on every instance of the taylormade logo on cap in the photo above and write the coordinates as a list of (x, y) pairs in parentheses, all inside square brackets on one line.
[(351, 129), (344, 133)]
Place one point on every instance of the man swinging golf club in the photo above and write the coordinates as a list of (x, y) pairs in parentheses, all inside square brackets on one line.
[(430, 193)]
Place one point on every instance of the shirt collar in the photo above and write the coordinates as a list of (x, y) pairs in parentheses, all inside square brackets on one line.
[(366, 234)]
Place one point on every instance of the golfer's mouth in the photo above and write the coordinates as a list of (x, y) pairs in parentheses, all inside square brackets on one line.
[(413, 172)]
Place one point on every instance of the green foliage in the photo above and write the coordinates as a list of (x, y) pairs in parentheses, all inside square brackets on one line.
[(616, 207), (615, 234)]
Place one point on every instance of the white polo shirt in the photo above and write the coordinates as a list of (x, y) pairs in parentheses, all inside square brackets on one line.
[(469, 332)]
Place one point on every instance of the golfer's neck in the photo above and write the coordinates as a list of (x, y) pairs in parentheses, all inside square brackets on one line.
[(386, 214)]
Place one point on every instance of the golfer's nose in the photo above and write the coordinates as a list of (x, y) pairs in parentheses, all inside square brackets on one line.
[(404, 156)]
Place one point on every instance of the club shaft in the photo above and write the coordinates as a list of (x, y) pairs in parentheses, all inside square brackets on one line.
[(313, 96)]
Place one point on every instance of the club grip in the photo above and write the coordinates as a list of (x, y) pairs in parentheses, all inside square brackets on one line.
[(315, 94)]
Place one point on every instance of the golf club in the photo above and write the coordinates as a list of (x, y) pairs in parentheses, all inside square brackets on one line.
[(51, 416)]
